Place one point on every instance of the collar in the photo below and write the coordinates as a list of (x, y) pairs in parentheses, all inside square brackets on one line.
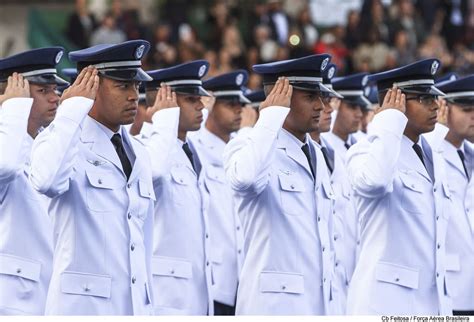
[(294, 139), (106, 130)]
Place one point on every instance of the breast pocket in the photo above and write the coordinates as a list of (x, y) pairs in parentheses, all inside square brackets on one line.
[(414, 193), (293, 194), (281, 282), (101, 189), (182, 180), (147, 194), (172, 278), (19, 278)]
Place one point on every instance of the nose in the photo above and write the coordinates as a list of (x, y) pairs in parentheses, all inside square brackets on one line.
[(134, 95), (54, 97)]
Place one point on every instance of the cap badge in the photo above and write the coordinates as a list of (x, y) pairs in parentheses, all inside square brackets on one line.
[(202, 70), (434, 67), (58, 57), (139, 51), (239, 79), (331, 72), (324, 63)]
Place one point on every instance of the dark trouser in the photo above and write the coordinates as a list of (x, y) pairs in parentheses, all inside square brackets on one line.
[(223, 309), (463, 312)]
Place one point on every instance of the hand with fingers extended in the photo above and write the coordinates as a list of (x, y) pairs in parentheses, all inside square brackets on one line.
[(442, 112), (17, 86), (280, 94), (208, 102), (85, 85), (394, 99), (165, 98)]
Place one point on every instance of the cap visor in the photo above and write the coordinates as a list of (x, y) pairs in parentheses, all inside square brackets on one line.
[(191, 90), (127, 74), (427, 90), (47, 79)]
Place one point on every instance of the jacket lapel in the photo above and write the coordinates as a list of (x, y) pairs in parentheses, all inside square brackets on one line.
[(138, 150), (410, 159), (99, 142), (293, 151), (452, 157)]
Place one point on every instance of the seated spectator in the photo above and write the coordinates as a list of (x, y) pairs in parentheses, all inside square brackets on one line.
[(108, 33)]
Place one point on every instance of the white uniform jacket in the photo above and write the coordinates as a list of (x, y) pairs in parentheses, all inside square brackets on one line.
[(103, 224), (181, 264), (227, 236), (26, 235), (287, 217), (404, 216)]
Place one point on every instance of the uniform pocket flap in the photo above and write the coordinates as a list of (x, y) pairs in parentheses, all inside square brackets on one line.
[(216, 174), (146, 189), (290, 182), (280, 282), (397, 274), (164, 266), (102, 180), (446, 190), (19, 266), (410, 182), (180, 176), (328, 192), (86, 284), (453, 264)]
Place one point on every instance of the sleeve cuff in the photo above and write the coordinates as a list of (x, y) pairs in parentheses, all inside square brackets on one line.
[(272, 118), (75, 108), (390, 120), (166, 118), (17, 107)]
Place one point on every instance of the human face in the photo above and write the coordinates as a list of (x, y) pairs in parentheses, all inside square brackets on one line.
[(227, 115), (461, 121), (349, 117), (421, 111), (305, 112), (190, 116), (326, 117), (45, 103), (116, 103)]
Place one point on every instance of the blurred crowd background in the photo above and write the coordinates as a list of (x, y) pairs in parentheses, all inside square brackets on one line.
[(361, 35)]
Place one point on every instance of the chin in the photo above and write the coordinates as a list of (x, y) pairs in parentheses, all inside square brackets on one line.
[(127, 121)]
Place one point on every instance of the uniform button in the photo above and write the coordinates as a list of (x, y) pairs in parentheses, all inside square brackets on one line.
[(132, 247), (86, 288), (239, 251), (99, 181), (434, 189), (172, 271), (397, 279), (324, 280), (467, 209), (283, 287), (207, 235), (18, 270), (324, 248), (335, 238), (337, 264), (358, 242), (438, 246), (334, 212), (134, 279), (292, 187), (437, 217), (238, 227), (128, 185), (207, 263), (181, 180), (413, 186), (437, 274), (319, 218), (129, 215)]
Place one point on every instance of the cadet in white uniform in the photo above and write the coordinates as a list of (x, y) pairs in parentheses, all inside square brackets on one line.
[(284, 197), (100, 181), (458, 154), (181, 264), (26, 235), (403, 201), (226, 231)]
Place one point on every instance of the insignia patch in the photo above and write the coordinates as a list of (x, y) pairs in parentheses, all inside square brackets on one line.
[(239, 79), (59, 55), (139, 51), (434, 67), (324, 63)]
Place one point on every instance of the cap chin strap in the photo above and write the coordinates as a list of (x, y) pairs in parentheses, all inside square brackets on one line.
[(40, 72), (415, 82), (128, 63), (184, 82)]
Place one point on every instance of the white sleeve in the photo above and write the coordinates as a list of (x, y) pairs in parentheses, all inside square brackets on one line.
[(13, 132), (161, 141), (55, 149), (371, 162), (247, 157)]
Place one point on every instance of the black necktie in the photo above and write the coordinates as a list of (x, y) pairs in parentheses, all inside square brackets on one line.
[(419, 152), (463, 158), (324, 151), (347, 145), (306, 152), (189, 154), (126, 165)]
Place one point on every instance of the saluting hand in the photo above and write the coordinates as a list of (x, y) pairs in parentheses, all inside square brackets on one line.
[(165, 98), (17, 86), (280, 94), (394, 99), (85, 85), (443, 112), (208, 101)]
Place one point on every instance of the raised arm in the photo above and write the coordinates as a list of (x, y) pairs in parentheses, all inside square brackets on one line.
[(248, 156), (55, 149), (371, 163), (14, 112)]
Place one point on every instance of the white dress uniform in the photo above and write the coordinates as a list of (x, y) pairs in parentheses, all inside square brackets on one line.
[(26, 236), (346, 223), (460, 234), (103, 224), (181, 263), (287, 217), (338, 144), (404, 215), (227, 237)]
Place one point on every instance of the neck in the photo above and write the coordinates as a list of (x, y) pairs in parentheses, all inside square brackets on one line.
[(182, 135), (316, 136), (340, 133), (413, 136), (217, 131), (454, 139), (33, 127), (113, 127), (299, 135)]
